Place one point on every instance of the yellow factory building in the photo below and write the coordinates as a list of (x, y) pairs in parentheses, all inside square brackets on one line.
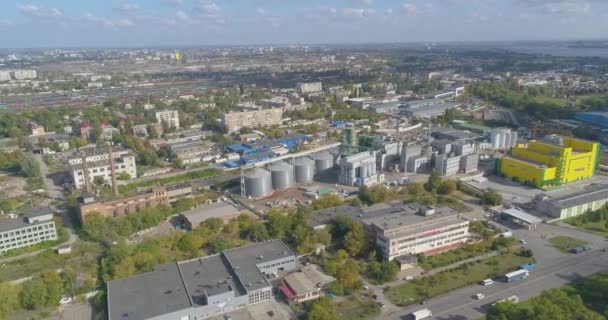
[(553, 161)]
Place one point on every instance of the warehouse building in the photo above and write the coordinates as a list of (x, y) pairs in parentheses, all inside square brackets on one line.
[(410, 229), (203, 287), (34, 227), (592, 198), (599, 119), (553, 161), (226, 211)]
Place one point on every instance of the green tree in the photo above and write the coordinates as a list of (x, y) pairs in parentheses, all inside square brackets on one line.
[(415, 189), (355, 240), (278, 224), (33, 294), (9, 300), (447, 187), (433, 182), (29, 167), (322, 309), (491, 197)]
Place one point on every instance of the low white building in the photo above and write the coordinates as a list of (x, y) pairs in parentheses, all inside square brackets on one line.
[(123, 163), (36, 226)]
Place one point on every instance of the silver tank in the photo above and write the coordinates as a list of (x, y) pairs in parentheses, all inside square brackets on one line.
[(282, 175), (324, 161), (305, 170), (258, 183)]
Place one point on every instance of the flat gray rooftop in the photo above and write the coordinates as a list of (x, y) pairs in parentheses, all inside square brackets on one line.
[(400, 216), (591, 193), (147, 295), (208, 275), (244, 261)]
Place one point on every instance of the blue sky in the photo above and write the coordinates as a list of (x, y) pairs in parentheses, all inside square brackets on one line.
[(57, 23)]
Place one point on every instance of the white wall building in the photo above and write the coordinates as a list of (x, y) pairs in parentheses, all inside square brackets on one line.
[(170, 117), (101, 168), (359, 170), (5, 76), (35, 227), (309, 87), (418, 229), (24, 74)]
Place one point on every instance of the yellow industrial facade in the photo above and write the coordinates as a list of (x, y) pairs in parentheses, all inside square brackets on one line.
[(553, 161)]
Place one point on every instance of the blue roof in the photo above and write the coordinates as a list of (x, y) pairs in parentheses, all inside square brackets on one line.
[(231, 164)]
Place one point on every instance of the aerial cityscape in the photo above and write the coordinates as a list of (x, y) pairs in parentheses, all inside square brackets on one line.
[(304, 160)]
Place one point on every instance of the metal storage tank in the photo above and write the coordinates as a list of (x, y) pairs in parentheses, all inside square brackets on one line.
[(305, 170), (258, 183), (282, 175), (324, 161)]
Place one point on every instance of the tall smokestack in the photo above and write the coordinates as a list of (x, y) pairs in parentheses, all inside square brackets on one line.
[(113, 172), (87, 182)]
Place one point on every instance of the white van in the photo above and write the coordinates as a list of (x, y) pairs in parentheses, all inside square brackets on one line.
[(487, 282)]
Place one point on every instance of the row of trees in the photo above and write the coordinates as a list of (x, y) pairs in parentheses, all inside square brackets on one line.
[(42, 291), (19, 162)]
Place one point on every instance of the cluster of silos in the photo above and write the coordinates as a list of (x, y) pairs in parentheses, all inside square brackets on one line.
[(258, 183), (305, 170), (323, 162), (282, 175)]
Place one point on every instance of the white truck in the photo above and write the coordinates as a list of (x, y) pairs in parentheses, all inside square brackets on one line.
[(420, 314)]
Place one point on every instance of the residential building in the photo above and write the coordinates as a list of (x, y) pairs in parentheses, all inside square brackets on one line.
[(226, 211), (95, 85), (593, 198), (140, 130), (201, 288), (100, 169), (23, 74), (5, 76), (35, 129), (169, 117), (34, 227), (234, 121), (555, 160), (309, 87), (155, 197), (447, 165), (410, 229)]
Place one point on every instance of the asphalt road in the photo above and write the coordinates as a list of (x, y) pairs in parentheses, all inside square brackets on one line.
[(554, 270)]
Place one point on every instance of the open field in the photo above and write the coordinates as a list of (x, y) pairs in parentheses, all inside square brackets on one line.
[(563, 244), (354, 308), (419, 289)]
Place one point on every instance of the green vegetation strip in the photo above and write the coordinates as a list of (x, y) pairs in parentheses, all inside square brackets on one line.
[(462, 276), (354, 308), (202, 174), (563, 243), (593, 222)]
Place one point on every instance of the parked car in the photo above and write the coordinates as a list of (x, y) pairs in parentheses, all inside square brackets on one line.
[(479, 296), (65, 300), (487, 282), (523, 241)]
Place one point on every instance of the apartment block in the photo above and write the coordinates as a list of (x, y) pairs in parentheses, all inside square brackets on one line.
[(169, 117), (234, 121)]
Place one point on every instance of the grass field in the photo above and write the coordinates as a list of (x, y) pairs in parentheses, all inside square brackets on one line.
[(354, 308), (563, 244), (83, 258), (598, 228), (467, 274)]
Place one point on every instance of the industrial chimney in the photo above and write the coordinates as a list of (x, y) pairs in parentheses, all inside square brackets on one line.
[(113, 172), (87, 182)]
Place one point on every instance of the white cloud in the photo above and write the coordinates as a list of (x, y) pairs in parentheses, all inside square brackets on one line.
[(39, 11), (209, 8), (260, 11), (409, 8), (125, 23), (363, 2), (5, 23), (175, 3), (357, 12), (100, 21), (181, 15), (127, 8)]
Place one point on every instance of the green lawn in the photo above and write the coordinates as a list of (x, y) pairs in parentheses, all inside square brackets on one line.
[(563, 244), (598, 227), (83, 258), (355, 308), (453, 256), (469, 273)]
